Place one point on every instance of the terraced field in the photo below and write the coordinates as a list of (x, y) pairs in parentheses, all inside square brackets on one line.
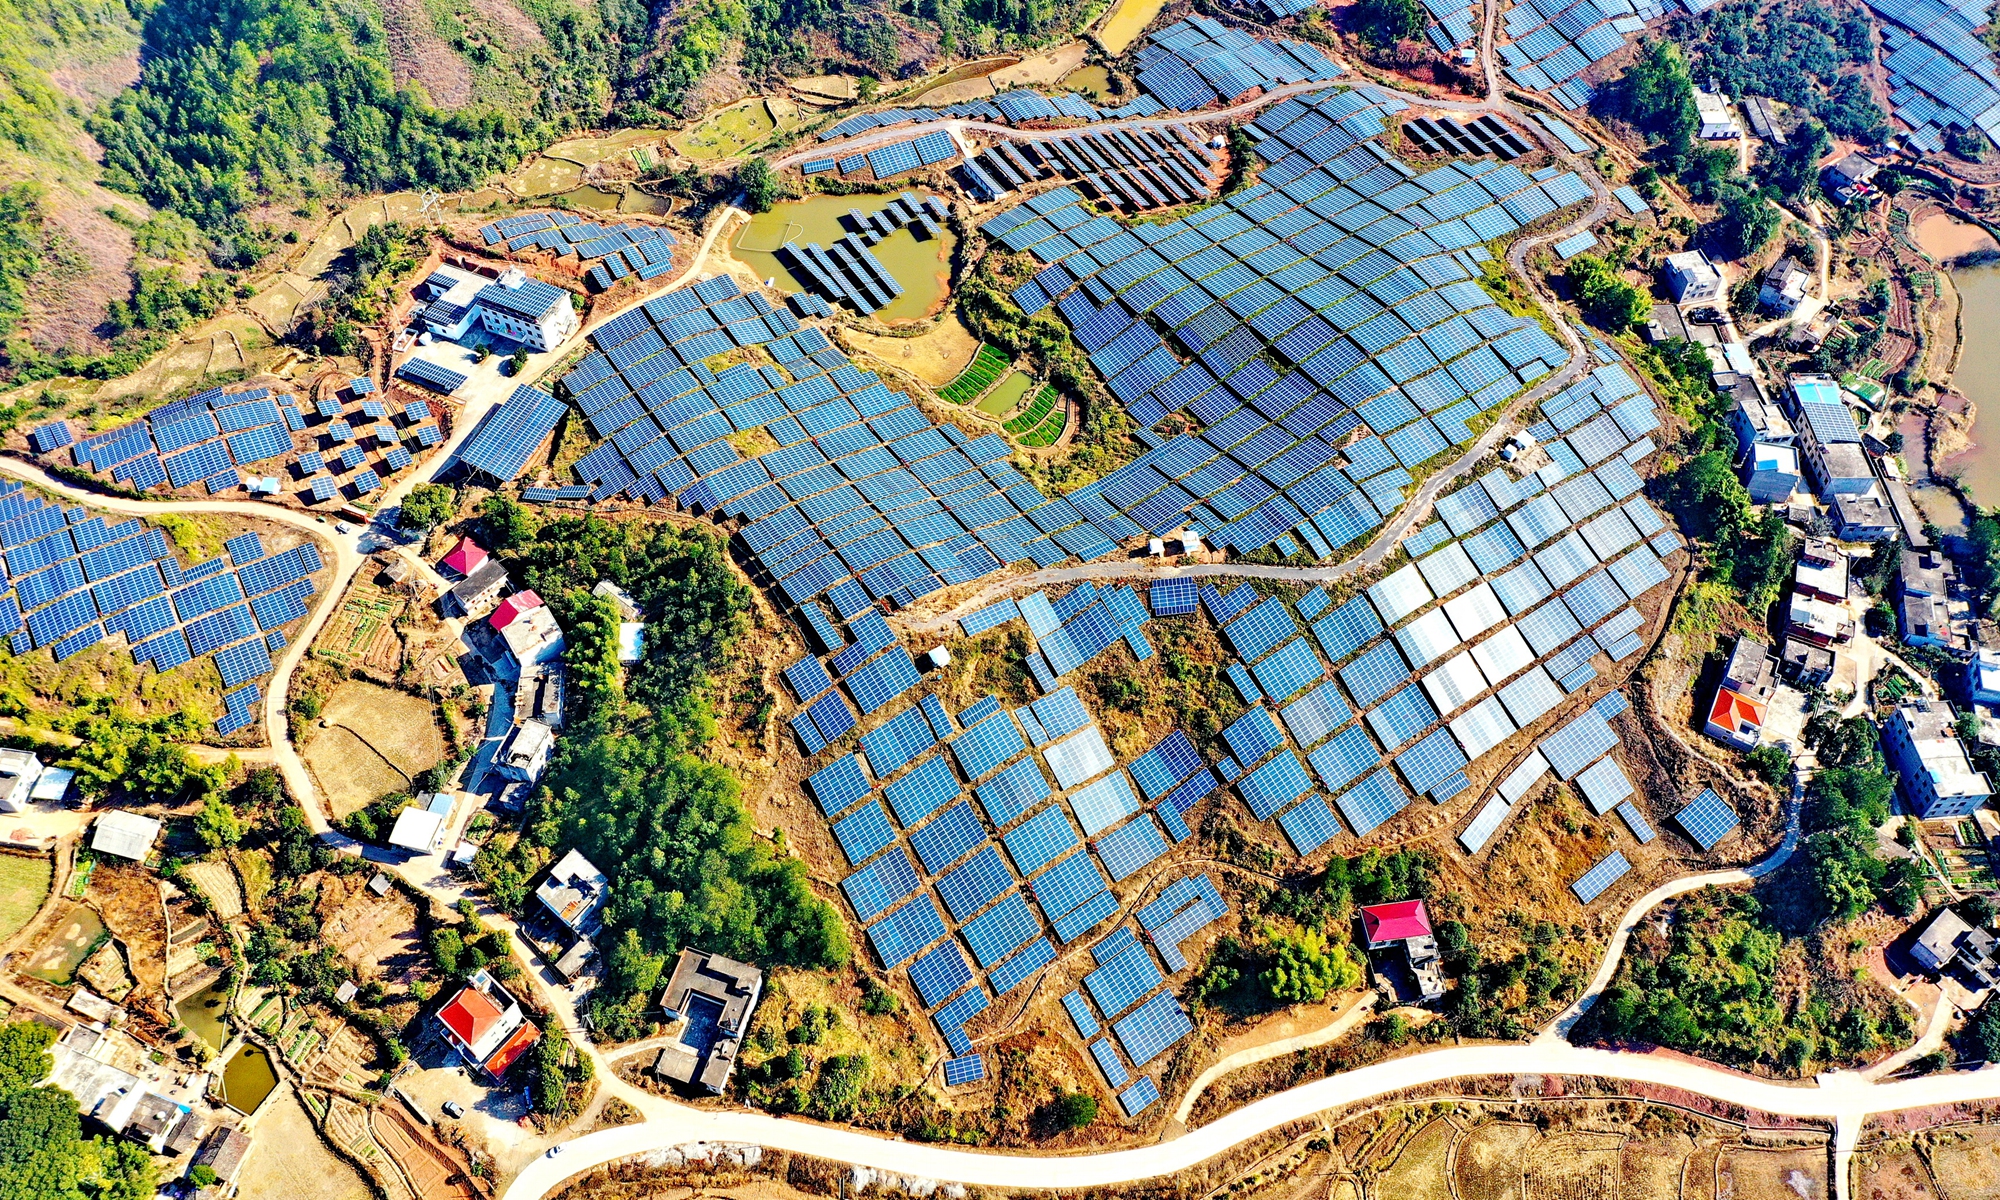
[(986, 367)]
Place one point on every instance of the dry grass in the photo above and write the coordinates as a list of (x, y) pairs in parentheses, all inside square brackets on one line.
[(24, 885)]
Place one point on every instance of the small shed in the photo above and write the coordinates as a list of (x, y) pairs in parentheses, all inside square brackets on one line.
[(125, 835)]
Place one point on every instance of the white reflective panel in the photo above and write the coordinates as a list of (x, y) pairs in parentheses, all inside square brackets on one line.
[(1482, 727), (1400, 594), (1453, 685), (1428, 638), (1475, 612), (1079, 758), (1503, 654)]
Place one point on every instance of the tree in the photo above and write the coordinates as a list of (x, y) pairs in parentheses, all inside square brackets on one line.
[(761, 186), (24, 1055), (1656, 93), (216, 824), (1072, 1110), (202, 1175), (1305, 968), (1770, 764), (1386, 22), (1604, 297), (426, 506), (1746, 222), (505, 523)]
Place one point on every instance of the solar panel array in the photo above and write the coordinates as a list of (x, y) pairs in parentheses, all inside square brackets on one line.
[(72, 577), (1942, 75), (1342, 266), (215, 438), (1549, 44), (847, 270), (1520, 584), (616, 251), (1707, 819), (1134, 170)]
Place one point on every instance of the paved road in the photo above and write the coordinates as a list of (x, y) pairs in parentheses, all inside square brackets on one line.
[(1844, 1097), (345, 558), (1357, 1014)]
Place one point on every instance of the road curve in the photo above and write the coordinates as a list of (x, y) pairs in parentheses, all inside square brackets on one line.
[(1843, 1097), (346, 559)]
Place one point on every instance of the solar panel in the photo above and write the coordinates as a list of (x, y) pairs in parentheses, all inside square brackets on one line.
[(1707, 819), (1578, 744), (1140, 1096), (1151, 1028), (863, 833), (1122, 980), (1172, 597), (1012, 792), (1371, 802), (838, 785), (924, 790), (958, 1072), (1080, 1014), (1000, 930), (1274, 785), (1593, 883), (899, 936), (880, 884), (948, 838), (1041, 839), (1077, 758), (1104, 803), (939, 973), (1130, 847), (972, 886)]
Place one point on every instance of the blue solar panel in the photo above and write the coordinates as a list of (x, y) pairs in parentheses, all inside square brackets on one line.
[(1080, 1014), (1130, 847), (1172, 597), (1707, 819), (880, 884), (940, 973), (924, 790), (1041, 839), (1608, 870), (838, 785), (984, 747), (863, 833), (1274, 785), (243, 662), (899, 936), (1371, 802), (997, 932), (1067, 884), (1140, 1096), (1252, 736), (1013, 791), (1401, 717), (968, 888), (1166, 764), (1016, 970), (948, 838), (1152, 1027), (1375, 673), (1107, 1061), (970, 1068)]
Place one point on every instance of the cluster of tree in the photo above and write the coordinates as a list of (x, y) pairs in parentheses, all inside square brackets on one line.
[(1807, 55), (43, 1153), (1386, 22), (358, 287), (626, 784), (242, 101), (1711, 987), (1308, 952), (1481, 978), (162, 301), (1746, 553), (426, 506), (1656, 96), (20, 251), (761, 186), (1848, 801), (1604, 296)]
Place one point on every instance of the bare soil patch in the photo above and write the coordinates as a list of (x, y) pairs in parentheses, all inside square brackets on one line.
[(128, 898), (292, 1161), (351, 772), (935, 358), (1747, 1173), (377, 935), (418, 55), (1966, 1162), (1488, 1163)]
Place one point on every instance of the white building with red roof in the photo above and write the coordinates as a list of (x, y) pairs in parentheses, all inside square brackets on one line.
[(1743, 696), (465, 557), (1387, 924), (1405, 924), (486, 1026)]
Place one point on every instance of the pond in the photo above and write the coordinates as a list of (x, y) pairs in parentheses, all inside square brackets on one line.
[(248, 1078), (202, 1012), (1093, 81), (74, 935), (1978, 376), (921, 265), (1006, 395)]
